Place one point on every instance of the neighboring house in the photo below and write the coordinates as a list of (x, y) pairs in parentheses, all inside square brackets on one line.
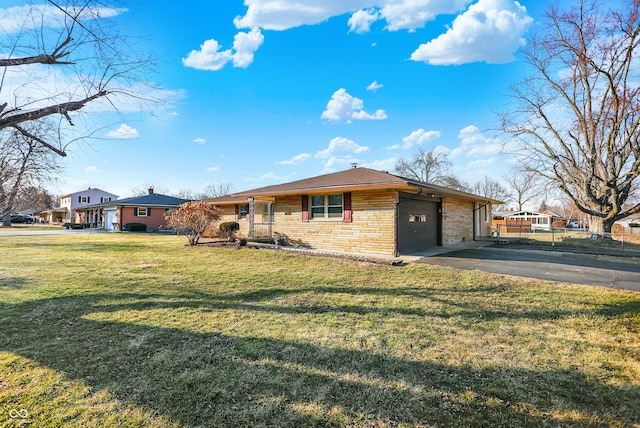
[(523, 221), (150, 209), (360, 210), (71, 203), (630, 224)]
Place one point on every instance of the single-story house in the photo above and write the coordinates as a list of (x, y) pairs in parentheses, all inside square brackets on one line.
[(359, 210), (150, 209), (523, 221)]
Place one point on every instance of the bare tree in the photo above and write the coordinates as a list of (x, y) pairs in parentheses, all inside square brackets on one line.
[(213, 190), (492, 190), (24, 163), (72, 41), (576, 118), (526, 186), (428, 167)]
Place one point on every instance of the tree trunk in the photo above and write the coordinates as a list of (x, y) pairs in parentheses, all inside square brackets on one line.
[(599, 225)]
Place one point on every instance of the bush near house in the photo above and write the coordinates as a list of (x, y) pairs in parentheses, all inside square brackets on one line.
[(135, 227), (73, 226), (228, 229)]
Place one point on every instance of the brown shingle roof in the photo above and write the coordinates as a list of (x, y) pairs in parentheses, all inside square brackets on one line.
[(351, 179)]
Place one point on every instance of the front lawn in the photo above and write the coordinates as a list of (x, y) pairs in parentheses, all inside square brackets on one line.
[(139, 330)]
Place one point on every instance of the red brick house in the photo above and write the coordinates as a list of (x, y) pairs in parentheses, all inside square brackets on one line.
[(360, 210), (150, 209)]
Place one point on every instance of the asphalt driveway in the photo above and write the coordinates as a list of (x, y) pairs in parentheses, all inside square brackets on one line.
[(613, 271)]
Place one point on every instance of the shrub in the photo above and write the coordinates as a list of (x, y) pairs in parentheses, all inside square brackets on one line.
[(228, 228), (559, 224), (135, 227), (73, 226), (193, 218)]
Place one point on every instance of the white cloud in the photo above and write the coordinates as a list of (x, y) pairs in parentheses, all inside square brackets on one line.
[(482, 163), (213, 168), (489, 31), (92, 168), (413, 14), (210, 56), (441, 149), (25, 18), (41, 85), (360, 22), (268, 176), (199, 140), (245, 45), (124, 132), (399, 14), (418, 137), (382, 165), (340, 145), (474, 144), (296, 160), (343, 107), (374, 86)]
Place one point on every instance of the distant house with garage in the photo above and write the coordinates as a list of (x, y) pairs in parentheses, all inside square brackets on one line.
[(71, 203), (150, 209), (360, 210)]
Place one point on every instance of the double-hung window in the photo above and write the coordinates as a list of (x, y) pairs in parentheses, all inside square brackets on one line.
[(244, 210), (326, 206), (141, 212)]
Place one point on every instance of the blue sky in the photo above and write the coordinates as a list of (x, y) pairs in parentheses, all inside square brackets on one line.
[(260, 92)]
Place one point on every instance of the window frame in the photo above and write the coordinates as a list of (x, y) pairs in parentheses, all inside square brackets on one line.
[(145, 209), (243, 214), (324, 211)]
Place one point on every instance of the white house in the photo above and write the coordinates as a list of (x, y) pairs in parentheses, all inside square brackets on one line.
[(71, 202), (529, 219)]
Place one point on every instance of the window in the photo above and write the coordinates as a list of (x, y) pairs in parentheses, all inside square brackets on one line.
[(141, 212), (417, 218), (486, 213), (105, 199), (326, 206), (244, 210), (84, 199)]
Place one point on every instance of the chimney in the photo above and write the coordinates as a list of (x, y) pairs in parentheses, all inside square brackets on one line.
[(151, 190), (354, 165)]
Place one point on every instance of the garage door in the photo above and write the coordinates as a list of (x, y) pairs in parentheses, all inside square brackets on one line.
[(418, 224)]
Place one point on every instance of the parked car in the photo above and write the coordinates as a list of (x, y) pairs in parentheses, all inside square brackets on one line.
[(17, 218), (575, 224)]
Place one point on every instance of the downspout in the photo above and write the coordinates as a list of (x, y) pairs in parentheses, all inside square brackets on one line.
[(397, 226)]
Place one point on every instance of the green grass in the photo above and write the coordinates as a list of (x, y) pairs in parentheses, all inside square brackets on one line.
[(140, 330)]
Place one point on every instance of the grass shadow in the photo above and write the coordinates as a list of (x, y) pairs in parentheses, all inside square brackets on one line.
[(210, 379)]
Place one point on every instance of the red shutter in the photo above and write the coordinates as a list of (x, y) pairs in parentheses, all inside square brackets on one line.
[(305, 208), (237, 212), (346, 211)]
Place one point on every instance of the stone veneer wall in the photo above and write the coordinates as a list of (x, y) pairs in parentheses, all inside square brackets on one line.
[(457, 220), (229, 214), (372, 230)]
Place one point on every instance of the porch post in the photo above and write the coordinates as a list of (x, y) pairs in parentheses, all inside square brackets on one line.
[(251, 220)]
